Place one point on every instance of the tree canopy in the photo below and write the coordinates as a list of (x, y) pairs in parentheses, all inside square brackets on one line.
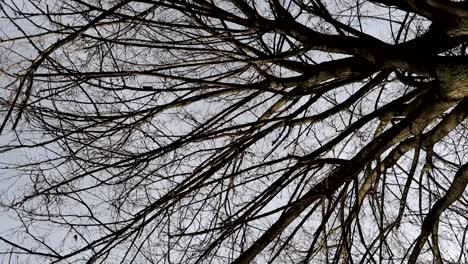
[(233, 131)]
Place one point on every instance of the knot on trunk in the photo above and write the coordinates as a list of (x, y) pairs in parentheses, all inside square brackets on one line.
[(453, 81)]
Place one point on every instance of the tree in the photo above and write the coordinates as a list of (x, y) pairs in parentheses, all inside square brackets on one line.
[(219, 131)]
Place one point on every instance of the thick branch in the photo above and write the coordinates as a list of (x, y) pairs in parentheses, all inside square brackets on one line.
[(455, 191)]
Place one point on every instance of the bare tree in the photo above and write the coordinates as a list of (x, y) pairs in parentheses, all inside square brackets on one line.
[(234, 131)]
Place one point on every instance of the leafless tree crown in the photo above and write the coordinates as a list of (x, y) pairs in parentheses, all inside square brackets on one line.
[(233, 131)]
